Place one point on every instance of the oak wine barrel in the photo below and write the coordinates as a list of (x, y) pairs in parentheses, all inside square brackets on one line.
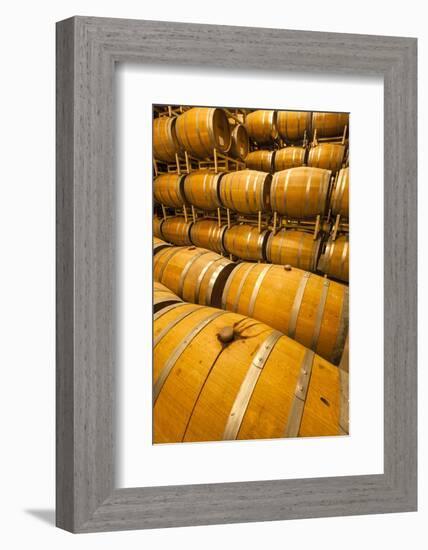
[(246, 191), (293, 247), (260, 160), (329, 124), (309, 308), (201, 188), (195, 274), (289, 157), (163, 297), (168, 190), (206, 233), (335, 259), (328, 156), (244, 241), (261, 126), (292, 125), (177, 231), (218, 375), (159, 244), (340, 196), (157, 227), (240, 143), (300, 193), (201, 129), (165, 143)]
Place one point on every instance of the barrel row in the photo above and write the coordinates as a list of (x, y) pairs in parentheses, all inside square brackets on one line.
[(329, 156), (200, 130), (285, 247), (220, 375), (265, 126), (311, 309), (298, 193)]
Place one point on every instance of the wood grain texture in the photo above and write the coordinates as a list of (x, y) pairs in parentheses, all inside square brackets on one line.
[(303, 305), (242, 388), (295, 248), (87, 49), (206, 233), (328, 156), (300, 192)]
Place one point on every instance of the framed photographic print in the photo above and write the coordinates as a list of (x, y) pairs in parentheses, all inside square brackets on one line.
[(236, 274)]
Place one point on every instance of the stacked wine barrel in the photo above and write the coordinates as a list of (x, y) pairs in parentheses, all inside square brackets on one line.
[(251, 271)]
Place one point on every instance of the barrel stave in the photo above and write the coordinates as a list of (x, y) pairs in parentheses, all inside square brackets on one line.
[(289, 157), (292, 125), (200, 130), (206, 233), (291, 300), (176, 230), (195, 274), (201, 188), (293, 247), (165, 143), (262, 160), (168, 190), (329, 124), (328, 156), (163, 297), (335, 259), (246, 242), (261, 126), (246, 191), (300, 193), (159, 244), (340, 194), (322, 412), (208, 390), (240, 142), (157, 227)]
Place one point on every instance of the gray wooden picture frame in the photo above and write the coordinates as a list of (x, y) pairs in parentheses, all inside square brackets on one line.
[(87, 51)]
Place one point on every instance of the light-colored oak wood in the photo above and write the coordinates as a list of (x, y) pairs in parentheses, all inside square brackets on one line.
[(201, 188), (206, 233), (292, 125), (201, 129), (195, 274), (165, 143), (208, 389), (159, 244), (262, 160), (294, 248), (340, 196), (329, 124), (240, 142), (176, 230), (246, 242), (305, 306), (335, 259), (157, 227), (289, 157), (300, 193), (168, 190), (163, 297), (261, 126), (327, 155), (246, 191)]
